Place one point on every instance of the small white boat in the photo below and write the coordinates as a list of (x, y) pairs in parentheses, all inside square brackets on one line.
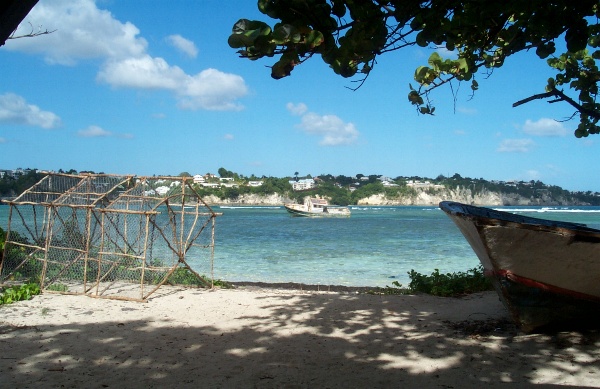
[(547, 273), (317, 208)]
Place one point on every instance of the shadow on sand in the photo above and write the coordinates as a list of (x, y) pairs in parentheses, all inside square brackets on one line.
[(284, 340)]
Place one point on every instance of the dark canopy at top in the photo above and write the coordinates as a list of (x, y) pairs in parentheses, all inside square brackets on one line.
[(12, 12)]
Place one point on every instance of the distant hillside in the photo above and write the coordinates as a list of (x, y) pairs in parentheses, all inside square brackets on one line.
[(418, 197), (231, 188), (468, 196)]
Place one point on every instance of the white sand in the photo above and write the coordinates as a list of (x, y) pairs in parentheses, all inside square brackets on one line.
[(271, 338)]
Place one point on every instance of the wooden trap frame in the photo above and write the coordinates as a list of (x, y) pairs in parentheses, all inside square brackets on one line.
[(109, 236)]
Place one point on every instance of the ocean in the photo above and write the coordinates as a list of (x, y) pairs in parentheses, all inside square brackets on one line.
[(376, 246)]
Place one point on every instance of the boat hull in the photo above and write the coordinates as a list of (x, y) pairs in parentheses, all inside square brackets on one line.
[(302, 211), (547, 273)]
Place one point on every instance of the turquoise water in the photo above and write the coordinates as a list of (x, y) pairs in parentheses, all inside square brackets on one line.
[(374, 247)]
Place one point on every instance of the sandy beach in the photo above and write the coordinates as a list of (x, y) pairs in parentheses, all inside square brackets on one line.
[(259, 337)]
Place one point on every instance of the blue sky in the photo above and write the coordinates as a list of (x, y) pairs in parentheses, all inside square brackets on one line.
[(145, 88)]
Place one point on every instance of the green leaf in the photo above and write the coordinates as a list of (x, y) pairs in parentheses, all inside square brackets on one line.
[(414, 98), (421, 40), (240, 26), (245, 32), (577, 37), (315, 38), (282, 33), (435, 60), (421, 73), (463, 65), (237, 41), (281, 69), (543, 51)]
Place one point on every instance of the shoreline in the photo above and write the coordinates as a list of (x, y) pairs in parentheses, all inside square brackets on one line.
[(400, 204), (300, 287), (262, 336)]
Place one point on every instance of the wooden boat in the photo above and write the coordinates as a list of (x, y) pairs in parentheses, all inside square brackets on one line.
[(317, 208), (547, 273)]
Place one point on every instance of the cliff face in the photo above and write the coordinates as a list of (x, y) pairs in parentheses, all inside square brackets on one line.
[(250, 199), (424, 197), (420, 197), (464, 195)]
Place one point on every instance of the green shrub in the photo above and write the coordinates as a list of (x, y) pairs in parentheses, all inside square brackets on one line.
[(19, 293), (444, 285), (182, 276), (58, 287), (449, 284)]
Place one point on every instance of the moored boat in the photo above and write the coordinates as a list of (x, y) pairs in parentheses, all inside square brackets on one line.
[(314, 207), (547, 273)]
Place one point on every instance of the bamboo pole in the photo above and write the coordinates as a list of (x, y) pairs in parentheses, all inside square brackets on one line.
[(144, 258)]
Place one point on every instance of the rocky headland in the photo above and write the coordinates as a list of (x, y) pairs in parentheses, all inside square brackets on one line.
[(418, 197)]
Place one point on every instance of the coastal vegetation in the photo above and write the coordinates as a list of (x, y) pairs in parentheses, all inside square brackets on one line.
[(18, 293), (441, 284), (231, 187)]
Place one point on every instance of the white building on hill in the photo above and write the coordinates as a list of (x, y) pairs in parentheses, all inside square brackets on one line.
[(303, 184)]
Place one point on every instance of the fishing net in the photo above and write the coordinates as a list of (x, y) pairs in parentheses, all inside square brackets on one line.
[(109, 236)]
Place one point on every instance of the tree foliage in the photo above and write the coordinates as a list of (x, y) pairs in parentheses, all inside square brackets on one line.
[(11, 186), (350, 34)]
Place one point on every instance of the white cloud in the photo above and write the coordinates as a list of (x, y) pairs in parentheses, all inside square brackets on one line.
[(85, 32), (210, 89), (544, 127), (332, 130), (14, 109), (516, 145), (82, 31), (94, 132), (142, 73), (184, 45), (228, 137), (2, 140), (297, 109)]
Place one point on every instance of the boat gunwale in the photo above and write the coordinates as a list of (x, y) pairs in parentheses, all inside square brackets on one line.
[(482, 216)]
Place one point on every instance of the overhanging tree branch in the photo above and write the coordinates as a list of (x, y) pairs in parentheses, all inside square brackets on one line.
[(349, 35), (560, 96), (32, 33), (12, 12)]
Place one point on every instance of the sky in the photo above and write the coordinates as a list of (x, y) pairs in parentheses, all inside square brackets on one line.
[(152, 88)]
